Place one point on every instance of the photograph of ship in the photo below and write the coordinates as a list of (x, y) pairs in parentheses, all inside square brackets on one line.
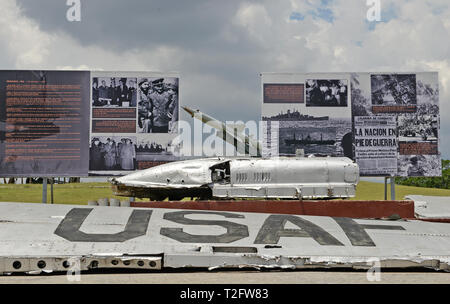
[(323, 137), (393, 90), (309, 140), (326, 93), (294, 115), (155, 148)]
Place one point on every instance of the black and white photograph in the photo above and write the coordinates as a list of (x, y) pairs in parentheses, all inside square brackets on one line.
[(393, 89), (112, 153), (419, 165), (427, 94), (157, 100), (288, 112), (295, 112), (114, 92), (360, 94), (322, 137), (418, 128), (156, 148), (326, 93)]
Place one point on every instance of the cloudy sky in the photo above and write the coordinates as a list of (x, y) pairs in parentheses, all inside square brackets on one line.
[(221, 47)]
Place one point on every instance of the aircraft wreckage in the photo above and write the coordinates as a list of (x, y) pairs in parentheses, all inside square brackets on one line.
[(38, 238), (242, 177)]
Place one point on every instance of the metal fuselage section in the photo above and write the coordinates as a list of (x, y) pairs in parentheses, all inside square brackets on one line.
[(232, 178)]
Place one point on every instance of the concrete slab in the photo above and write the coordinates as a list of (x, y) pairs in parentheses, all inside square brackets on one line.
[(244, 277)]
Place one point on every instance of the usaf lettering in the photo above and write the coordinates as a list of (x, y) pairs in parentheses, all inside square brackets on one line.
[(270, 232)]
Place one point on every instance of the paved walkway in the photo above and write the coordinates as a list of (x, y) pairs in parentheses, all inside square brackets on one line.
[(238, 277)]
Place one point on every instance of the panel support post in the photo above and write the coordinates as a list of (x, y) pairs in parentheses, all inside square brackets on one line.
[(44, 190), (52, 180), (393, 188)]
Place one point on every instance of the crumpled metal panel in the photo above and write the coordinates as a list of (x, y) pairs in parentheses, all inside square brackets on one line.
[(180, 174), (212, 239), (431, 207)]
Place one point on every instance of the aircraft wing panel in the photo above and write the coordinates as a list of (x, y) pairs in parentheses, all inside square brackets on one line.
[(46, 237)]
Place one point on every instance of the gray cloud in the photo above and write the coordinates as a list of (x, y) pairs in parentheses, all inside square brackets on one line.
[(136, 24), (196, 28), (220, 47)]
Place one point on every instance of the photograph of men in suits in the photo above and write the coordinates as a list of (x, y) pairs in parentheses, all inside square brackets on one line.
[(326, 93), (108, 153), (112, 92), (103, 90), (121, 92)]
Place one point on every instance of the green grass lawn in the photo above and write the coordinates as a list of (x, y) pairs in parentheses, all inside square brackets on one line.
[(73, 193), (375, 191), (81, 193)]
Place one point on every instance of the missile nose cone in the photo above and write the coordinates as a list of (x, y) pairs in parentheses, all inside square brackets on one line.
[(190, 111)]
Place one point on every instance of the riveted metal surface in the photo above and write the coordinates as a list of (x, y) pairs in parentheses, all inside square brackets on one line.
[(194, 238)]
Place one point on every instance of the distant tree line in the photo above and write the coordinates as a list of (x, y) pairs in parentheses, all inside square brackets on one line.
[(442, 182)]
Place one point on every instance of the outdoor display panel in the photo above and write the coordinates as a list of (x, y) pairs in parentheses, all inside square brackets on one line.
[(43, 119), (387, 122), (316, 123), (80, 123), (412, 100), (134, 120)]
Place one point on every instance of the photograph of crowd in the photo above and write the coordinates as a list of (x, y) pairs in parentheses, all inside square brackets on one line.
[(150, 147), (326, 93), (112, 153), (419, 165), (114, 92), (157, 105), (397, 89), (418, 128)]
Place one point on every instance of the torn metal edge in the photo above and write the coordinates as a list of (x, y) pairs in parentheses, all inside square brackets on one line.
[(37, 265)]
